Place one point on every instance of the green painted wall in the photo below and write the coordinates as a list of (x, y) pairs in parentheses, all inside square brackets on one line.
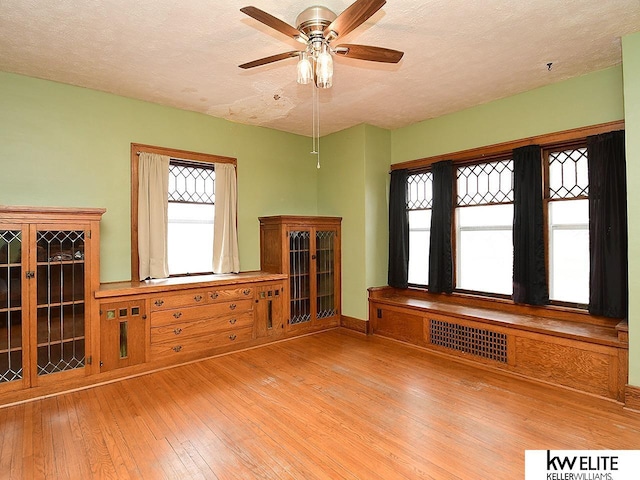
[(586, 100), (377, 165), (631, 62), (353, 184), (341, 188), (62, 145)]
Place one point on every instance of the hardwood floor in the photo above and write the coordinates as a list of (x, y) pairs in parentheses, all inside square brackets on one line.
[(332, 405)]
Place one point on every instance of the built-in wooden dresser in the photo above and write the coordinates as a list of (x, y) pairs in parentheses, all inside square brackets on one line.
[(188, 317), (201, 319)]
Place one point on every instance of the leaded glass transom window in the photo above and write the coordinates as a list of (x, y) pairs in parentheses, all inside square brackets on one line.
[(568, 174), (485, 183), (191, 183), (420, 191)]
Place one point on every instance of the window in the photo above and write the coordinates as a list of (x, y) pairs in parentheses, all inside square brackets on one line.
[(568, 225), (419, 203), (483, 215), (191, 200), (484, 226), (190, 217)]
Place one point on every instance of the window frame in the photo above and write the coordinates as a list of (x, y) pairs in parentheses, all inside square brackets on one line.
[(428, 206), (549, 142), (455, 221), (547, 200), (183, 155)]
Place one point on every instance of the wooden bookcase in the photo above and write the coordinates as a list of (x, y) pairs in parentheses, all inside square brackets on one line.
[(307, 249), (49, 264)]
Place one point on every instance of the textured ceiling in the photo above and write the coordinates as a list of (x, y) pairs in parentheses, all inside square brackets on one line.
[(458, 53)]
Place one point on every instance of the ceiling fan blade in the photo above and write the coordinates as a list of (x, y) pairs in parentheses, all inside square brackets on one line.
[(366, 52), (271, 59), (354, 16), (273, 22)]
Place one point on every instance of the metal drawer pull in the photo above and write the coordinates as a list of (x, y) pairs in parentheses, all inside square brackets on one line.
[(177, 314), (232, 306), (232, 336), (233, 321), (197, 298), (159, 303), (213, 295), (246, 291), (177, 348), (177, 331)]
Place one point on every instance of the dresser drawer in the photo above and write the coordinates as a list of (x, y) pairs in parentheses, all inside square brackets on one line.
[(223, 295), (200, 297), (177, 331), (169, 317), (203, 342), (191, 299)]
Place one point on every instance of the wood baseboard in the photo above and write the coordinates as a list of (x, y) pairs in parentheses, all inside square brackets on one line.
[(632, 397), (356, 324)]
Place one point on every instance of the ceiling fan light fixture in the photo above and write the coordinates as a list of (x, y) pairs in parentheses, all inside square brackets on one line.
[(305, 69), (324, 68)]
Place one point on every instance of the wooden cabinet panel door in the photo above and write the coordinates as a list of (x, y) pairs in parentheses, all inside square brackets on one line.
[(123, 334), (269, 315)]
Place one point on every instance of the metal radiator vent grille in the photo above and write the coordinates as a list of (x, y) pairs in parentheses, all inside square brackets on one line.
[(474, 341)]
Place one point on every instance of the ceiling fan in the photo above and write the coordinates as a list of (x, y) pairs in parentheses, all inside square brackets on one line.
[(316, 28)]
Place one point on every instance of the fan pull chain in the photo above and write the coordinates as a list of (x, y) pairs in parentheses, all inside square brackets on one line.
[(317, 126)]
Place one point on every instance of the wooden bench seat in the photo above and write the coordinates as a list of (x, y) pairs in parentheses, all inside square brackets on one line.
[(558, 346)]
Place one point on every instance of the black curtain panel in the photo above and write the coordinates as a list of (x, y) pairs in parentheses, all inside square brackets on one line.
[(440, 255), (398, 230), (608, 282), (529, 268)]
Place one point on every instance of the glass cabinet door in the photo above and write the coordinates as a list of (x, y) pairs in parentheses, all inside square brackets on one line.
[(299, 276), (325, 276), (11, 351), (60, 300)]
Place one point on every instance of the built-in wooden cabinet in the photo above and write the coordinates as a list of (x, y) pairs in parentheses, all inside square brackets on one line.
[(269, 311), (307, 249), (157, 323), (199, 320), (555, 346), (124, 325), (48, 273)]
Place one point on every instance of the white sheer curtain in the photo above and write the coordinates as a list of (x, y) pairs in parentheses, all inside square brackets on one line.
[(153, 192), (225, 232)]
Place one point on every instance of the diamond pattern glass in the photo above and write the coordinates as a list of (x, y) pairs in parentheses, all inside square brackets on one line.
[(568, 174), (10, 305), (191, 184), (299, 257), (60, 300), (485, 183), (324, 274), (420, 191)]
